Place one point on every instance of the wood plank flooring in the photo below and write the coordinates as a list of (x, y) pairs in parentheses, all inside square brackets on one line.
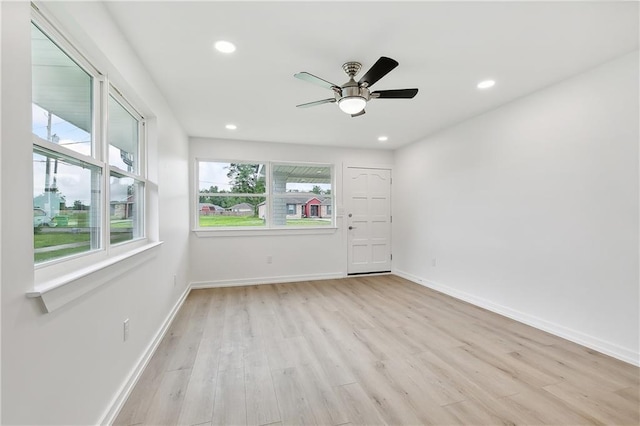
[(369, 350)]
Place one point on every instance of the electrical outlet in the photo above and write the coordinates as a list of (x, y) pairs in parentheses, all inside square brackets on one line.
[(269, 259), (433, 262), (125, 329)]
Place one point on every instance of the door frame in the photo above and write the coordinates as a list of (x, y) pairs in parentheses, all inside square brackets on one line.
[(343, 213)]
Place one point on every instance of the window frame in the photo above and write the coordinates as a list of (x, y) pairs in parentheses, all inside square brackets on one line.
[(269, 227), (101, 89), (139, 176)]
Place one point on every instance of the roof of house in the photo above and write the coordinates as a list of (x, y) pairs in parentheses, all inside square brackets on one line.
[(210, 206), (241, 206)]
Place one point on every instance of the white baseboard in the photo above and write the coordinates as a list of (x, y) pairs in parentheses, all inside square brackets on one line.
[(268, 280), (121, 396), (607, 348)]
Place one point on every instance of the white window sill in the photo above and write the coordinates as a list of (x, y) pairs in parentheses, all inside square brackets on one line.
[(64, 289), (257, 232)]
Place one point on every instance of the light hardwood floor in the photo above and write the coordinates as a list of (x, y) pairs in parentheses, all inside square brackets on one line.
[(369, 350)]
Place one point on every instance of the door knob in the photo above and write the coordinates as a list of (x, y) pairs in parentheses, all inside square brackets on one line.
[(352, 227)]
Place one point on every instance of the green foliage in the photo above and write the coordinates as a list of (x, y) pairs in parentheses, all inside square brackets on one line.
[(317, 190), (77, 205), (246, 178)]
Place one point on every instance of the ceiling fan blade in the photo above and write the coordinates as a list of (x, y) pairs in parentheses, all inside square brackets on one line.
[(310, 104), (395, 94), (315, 80), (381, 68), (363, 112)]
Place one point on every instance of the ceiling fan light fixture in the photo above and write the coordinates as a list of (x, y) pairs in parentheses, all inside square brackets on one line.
[(352, 104)]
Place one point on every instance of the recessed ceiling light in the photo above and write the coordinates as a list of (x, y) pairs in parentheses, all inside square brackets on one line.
[(231, 126), (224, 46), (486, 84), (383, 138)]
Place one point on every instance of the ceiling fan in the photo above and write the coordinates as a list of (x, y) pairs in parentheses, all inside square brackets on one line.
[(353, 96)]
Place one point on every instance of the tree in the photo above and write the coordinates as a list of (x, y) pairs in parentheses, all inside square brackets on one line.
[(246, 178), (218, 201), (317, 190)]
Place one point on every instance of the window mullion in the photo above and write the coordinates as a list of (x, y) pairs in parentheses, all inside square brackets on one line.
[(102, 147), (50, 146), (142, 148), (119, 171), (268, 191)]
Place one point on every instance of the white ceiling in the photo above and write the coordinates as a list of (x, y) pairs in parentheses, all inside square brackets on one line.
[(444, 49)]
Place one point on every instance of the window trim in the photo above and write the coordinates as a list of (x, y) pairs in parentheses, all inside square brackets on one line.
[(56, 269), (269, 194)]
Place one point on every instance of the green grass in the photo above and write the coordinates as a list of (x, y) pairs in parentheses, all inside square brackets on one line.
[(128, 223), (58, 238), (42, 257), (53, 239), (308, 222), (233, 221), (118, 237), (229, 221)]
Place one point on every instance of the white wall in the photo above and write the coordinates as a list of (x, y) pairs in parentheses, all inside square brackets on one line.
[(532, 209), (66, 367), (217, 261)]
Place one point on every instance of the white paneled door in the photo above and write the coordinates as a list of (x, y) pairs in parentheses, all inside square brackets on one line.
[(368, 208)]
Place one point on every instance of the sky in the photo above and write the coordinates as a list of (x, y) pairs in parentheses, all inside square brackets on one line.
[(72, 181), (215, 174)]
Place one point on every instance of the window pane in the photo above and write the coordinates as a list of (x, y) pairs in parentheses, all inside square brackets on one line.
[(61, 96), (244, 178), (303, 195), (66, 206), (123, 136), (231, 211), (125, 208)]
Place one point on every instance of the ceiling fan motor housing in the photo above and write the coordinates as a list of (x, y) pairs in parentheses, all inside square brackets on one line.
[(351, 89)]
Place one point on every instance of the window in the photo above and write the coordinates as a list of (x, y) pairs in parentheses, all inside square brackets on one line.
[(88, 192), (231, 194), (306, 186), (267, 195), (126, 189)]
